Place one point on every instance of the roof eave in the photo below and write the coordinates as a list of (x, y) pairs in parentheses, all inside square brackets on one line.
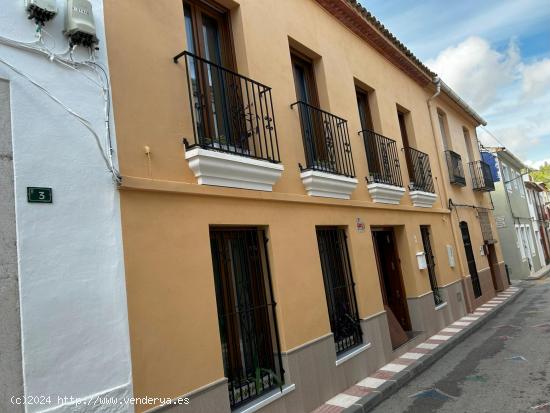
[(460, 102)]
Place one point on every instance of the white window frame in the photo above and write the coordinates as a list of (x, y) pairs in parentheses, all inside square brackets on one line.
[(442, 118), (506, 177), (515, 179), (531, 242), (530, 197), (520, 242), (526, 248), (521, 184)]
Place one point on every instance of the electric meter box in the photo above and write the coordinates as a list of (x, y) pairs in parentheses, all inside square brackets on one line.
[(79, 23), (41, 10)]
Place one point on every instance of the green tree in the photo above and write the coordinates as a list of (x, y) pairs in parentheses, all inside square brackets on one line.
[(543, 174)]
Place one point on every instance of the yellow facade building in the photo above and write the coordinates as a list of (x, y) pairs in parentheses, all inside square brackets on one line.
[(289, 220)]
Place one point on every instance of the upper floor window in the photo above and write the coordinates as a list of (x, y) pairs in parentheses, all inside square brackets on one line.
[(208, 32), (521, 184), (506, 177), (401, 117), (363, 107), (325, 136), (469, 144), (230, 113), (304, 79), (444, 130), (208, 39), (514, 179)]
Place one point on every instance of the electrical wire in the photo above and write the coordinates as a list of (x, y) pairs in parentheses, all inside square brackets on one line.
[(77, 116), (493, 136), (38, 46)]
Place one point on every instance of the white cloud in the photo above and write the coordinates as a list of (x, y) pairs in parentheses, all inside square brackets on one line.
[(536, 79), (511, 95), (429, 26), (476, 71), (537, 164), (515, 138)]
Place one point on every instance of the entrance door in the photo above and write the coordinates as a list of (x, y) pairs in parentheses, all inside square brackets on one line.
[(493, 265), (391, 283), (470, 257)]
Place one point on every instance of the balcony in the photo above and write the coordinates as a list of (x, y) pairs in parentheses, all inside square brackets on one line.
[(234, 140), (420, 173), (385, 183), (482, 179), (329, 170), (485, 224), (456, 170)]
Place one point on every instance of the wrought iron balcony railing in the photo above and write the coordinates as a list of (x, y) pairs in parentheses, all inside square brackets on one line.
[(419, 170), (382, 158), (230, 112), (456, 170), (326, 141), (482, 179)]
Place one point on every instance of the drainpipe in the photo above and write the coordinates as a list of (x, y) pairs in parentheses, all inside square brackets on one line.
[(440, 150), (437, 83)]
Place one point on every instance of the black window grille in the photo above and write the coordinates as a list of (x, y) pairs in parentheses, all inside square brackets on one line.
[(246, 313), (382, 158), (485, 224), (420, 170), (339, 288), (326, 141), (455, 167), (482, 178), (230, 112), (430, 261), (470, 258)]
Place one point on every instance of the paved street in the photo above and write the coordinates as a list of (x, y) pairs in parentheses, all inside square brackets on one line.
[(503, 367)]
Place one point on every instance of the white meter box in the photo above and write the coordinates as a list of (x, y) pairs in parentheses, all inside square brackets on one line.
[(79, 23)]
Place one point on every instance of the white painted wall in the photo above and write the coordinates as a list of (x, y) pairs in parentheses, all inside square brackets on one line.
[(73, 301), (530, 193)]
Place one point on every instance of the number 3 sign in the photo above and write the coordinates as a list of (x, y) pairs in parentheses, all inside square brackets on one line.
[(39, 195)]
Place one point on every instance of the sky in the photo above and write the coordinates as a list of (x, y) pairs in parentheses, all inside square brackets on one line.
[(494, 53)]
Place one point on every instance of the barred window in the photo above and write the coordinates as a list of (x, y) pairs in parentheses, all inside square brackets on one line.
[(339, 288), (246, 313), (485, 224), (430, 261)]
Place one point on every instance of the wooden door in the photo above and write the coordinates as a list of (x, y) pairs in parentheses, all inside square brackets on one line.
[(470, 258), (493, 265), (391, 283)]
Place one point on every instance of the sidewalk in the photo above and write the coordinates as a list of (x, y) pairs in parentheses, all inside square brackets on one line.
[(372, 390), (539, 274)]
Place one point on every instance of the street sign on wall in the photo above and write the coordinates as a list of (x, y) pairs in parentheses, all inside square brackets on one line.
[(39, 195)]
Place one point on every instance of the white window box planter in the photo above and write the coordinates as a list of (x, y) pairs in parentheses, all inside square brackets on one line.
[(328, 185), (234, 171), (422, 199), (385, 194)]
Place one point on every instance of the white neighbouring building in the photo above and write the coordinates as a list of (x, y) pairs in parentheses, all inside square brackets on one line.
[(535, 198), (513, 216), (63, 311)]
